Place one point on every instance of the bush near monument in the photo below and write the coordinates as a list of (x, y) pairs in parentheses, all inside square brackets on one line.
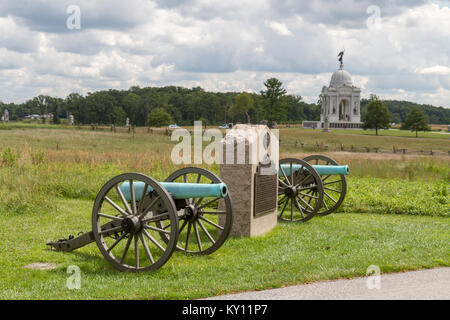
[(416, 121), (159, 118), (377, 115)]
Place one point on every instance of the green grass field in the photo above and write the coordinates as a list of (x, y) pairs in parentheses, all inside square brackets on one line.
[(395, 216), (336, 246)]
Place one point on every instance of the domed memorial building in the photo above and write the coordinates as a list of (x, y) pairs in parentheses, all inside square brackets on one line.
[(340, 103)]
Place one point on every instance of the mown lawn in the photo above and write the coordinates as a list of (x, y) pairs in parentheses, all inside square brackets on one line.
[(336, 246)]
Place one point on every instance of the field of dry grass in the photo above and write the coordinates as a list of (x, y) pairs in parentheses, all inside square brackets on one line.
[(40, 163), (291, 140), (151, 152)]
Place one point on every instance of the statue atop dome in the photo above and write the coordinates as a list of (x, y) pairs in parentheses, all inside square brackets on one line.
[(341, 56)]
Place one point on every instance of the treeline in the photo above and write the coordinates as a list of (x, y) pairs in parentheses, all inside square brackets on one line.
[(401, 109), (183, 106)]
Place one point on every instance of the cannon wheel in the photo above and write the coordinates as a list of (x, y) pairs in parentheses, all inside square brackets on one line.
[(134, 225), (334, 188), (206, 221), (300, 194)]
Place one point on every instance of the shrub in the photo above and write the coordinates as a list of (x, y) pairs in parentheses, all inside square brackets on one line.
[(9, 158)]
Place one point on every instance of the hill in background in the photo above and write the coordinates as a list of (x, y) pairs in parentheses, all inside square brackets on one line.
[(400, 110), (185, 105)]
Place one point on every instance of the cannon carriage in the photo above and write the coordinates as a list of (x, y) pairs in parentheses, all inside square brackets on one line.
[(138, 222), (134, 212), (315, 185)]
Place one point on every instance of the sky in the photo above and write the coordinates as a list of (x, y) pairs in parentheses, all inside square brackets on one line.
[(394, 49)]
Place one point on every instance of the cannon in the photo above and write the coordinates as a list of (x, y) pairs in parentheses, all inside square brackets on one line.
[(315, 185), (135, 213)]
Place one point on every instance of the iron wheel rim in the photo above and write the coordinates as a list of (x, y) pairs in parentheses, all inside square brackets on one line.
[(144, 235), (332, 188), (303, 199)]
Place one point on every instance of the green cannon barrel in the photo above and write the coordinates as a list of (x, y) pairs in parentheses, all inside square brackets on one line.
[(321, 169), (179, 190)]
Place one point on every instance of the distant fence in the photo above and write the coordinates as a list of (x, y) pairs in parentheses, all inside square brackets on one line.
[(322, 147), (125, 129), (317, 147), (133, 129)]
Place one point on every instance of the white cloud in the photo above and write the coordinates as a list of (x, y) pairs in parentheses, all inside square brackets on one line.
[(14, 37), (437, 70), (279, 28)]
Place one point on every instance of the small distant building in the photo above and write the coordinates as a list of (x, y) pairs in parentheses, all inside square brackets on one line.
[(311, 124)]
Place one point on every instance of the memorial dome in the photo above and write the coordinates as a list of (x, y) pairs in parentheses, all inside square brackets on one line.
[(341, 77)]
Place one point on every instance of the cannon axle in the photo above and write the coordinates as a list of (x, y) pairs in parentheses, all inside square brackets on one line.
[(132, 224)]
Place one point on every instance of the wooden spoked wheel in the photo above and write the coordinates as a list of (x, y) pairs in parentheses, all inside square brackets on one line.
[(125, 228), (335, 186), (300, 190), (205, 223)]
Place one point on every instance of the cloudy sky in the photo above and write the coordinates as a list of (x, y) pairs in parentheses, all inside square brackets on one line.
[(395, 49)]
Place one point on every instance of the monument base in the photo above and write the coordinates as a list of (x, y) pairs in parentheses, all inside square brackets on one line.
[(253, 185)]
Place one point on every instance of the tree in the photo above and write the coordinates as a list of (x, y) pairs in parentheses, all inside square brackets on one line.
[(119, 116), (437, 115), (77, 107), (396, 118), (377, 115), (295, 107), (193, 101), (42, 103), (187, 105), (274, 104), (244, 103), (100, 107), (56, 118), (54, 106), (416, 121), (158, 117), (130, 103)]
